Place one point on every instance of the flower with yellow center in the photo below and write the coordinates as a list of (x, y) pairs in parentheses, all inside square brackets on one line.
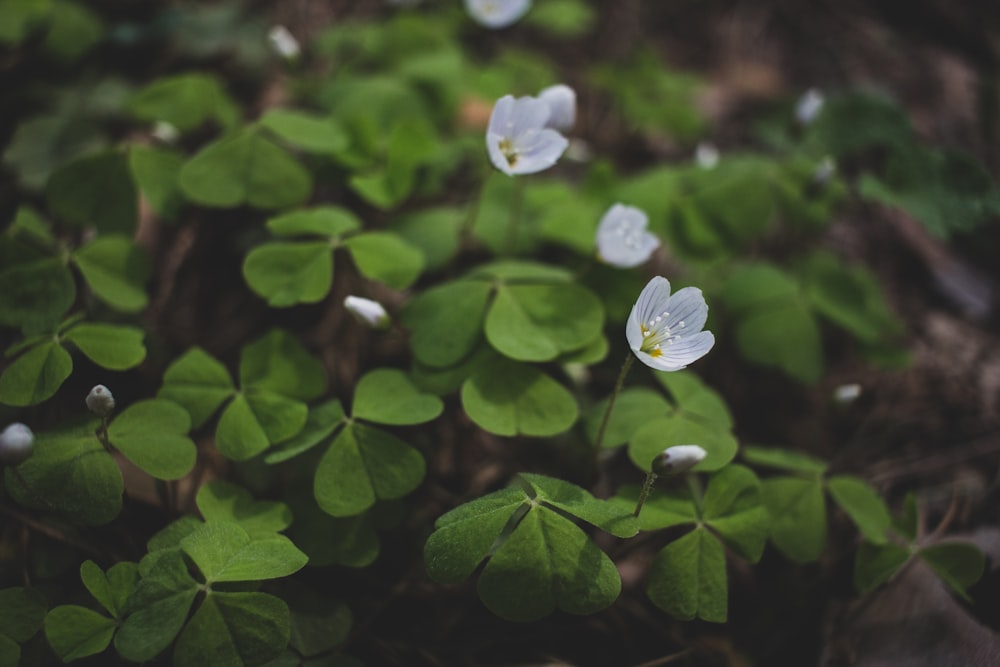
[(518, 139), (664, 330)]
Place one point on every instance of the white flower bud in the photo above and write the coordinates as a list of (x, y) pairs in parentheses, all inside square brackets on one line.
[(284, 43), (677, 459), (100, 401), (166, 132), (847, 393), (809, 106), (16, 442), (706, 155), (367, 312)]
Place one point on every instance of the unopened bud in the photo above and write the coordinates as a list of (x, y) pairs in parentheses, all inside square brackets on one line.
[(100, 401), (677, 459), (367, 312), (284, 42), (16, 442)]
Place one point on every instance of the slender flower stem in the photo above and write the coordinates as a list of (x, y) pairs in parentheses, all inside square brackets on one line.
[(102, 433), (516, 208), (611, 403), (696, 494), (647, 487)]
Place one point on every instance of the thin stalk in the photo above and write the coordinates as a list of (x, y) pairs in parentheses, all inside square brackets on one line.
[(696, 494), (516, 208), (611, 404), (647, 487)]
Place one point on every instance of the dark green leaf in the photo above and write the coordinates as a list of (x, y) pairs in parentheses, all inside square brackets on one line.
[(306, 131), (219, 500), (581, 504), (959, 564), (185, 101), (875, 564), (234, 629), (36, 375), (224, 551), (278, 362), (155, 172), (22, 611), (860, 501), (75, 632), (733, 506), (35, 294), (784, 459), (632, 409), (798, 516), (95, 190), (113, 588), (117, 270), (386, 257), (688, 578), (322, 421)]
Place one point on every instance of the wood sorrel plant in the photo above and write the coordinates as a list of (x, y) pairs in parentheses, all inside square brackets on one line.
[(348, 420)]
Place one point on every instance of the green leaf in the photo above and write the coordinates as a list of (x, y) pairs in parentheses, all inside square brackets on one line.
[(155, 172), (71, 473), (22, 611), (224, 551), (508, 398), (245, 168), (73, 30), (36, 375), (35, 294), (540, 322), (157, 609), (306, 131), (434, 232), (798, 516), (633, 408), (348, 541), (220, 501), (734, 507), (290, 273), (95, 190), (75, 632), (581, 504), (664, 508), (681, 428), (199, 382), (464, 536), (862, 504), (326, 221), (875, 564), (694, 397), (322, 421), (117, 270), (757, 286), (254, 420), (388, 396), (364, 463), (109, 345), (959, 564), (43, 143), (563, 18), (152, 434), (278, 362), (19, 18), (784, 459), (319, 623), (447, 321), (786, 337), (111, 589), (185, 101), (386, 257), (688, 578), (234, 629), (547, 562)]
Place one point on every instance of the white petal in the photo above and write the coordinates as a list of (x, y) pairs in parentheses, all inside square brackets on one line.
[(497, 13), (621, 237), (501, 118), (367, 312), (538, 150), (678, 459), (688, 306), (562, 102), (497, 156), (681, 353), (529, 114), (652, 299)]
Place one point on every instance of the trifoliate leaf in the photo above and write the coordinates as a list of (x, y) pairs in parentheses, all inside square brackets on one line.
[(692, 395), (219, 500), (199, 382), (734, 506), (875, 564), (117, 270), (322, 421), (186, 101), (632, 408), (224, 551), (862, 504), (447, 321), (112, 588), (278, 362), (959, 564), (152, 434), (581, 504), (234, 629), (688, 578), (798, 516), (254, 420)]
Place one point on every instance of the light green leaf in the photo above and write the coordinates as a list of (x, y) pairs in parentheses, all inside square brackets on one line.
[(220, 500), (158, 607), (69, 472), (306, 131), (733, 506), (581, 504), (508, 398), (862, 504), (681, 428), (388, 396), (447, 321), (35, 294), (362, 464), (386, 257), (95, 190), (633, 408), (278, 362), (784, 459), (327, 221), (199, 382), (666, 506), (693, 396), (256, 419), (185, 101), (155, 172), (224, 551), (117, 270), (245, 168), (563, 18), (784, 336), (109, 345), (75, 632), (688, 578), (234, 629), (435, 232), (152, 434), (36, 375), (757, 286), (875, 564), (798, 516), (290, 273), (959, 564), (322, 421), (111, 589)]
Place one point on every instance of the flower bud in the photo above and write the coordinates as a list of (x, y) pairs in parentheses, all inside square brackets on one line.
[(809, 106), (100, 401), (16, 442), (284, 43), (706, 155), (677, 459), (367, 312)]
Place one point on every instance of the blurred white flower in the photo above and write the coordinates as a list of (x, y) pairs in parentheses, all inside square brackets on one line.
[(706, 155), (518, 140), (16, 442), (562, 105), (847, 393), (825, 170), (664, 330), (677, 459), (165, 132), (809, 106), (100, 401), (497, 13), (622, 239), (284, 42), (367, 312)]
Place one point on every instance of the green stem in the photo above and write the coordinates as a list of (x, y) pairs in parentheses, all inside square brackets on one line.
[(647, 487), (611, 403), (516, 207), (102, 433), (696, 494)]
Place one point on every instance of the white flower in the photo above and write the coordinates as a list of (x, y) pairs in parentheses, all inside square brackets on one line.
[(284, 42), (518, 140), (847, 393), (367, 312), (677, 459), (809, 106), (166, 132), (562, 105), (706, 155), (16, 442), (825, 170), (622, 239), (497, 13), (664, 330), (100, 401)]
